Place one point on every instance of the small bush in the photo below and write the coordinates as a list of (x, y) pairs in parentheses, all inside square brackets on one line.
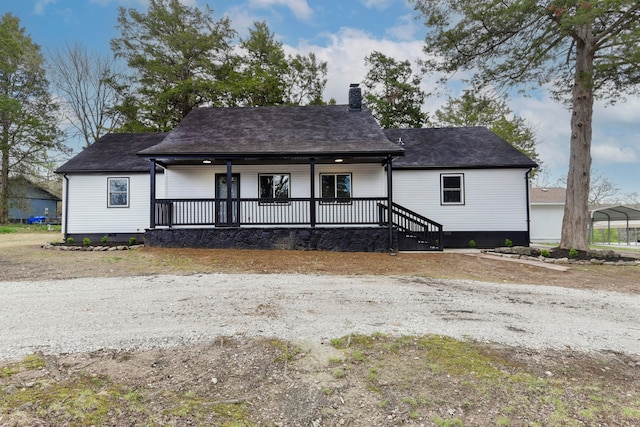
[(104, 239), (86, 241), (70, 240), (573, 253), (508, 243), (545, 253), (472, 244), (133, 241)]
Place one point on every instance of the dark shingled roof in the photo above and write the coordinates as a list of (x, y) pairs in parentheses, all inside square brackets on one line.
[(463, 147), (114, 152), (275, 132)]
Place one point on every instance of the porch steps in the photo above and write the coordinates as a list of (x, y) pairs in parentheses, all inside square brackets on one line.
[(415, 232)]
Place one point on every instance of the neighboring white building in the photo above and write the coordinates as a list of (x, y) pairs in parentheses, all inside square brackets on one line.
[(547, 211)]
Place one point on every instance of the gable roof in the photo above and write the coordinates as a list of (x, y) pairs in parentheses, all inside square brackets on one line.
[(115, 152), (23, 188), (300, 131), (548, 195), (460, 147)]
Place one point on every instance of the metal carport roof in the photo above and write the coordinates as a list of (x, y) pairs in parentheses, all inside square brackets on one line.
[(620, 214), (615, 213)]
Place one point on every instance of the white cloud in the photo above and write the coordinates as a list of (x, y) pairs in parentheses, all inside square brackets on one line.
[(345, 52), (134, 3), (38, 8), (376, 4), (406, 28), (611, 153), (300, 8), (242, 19)]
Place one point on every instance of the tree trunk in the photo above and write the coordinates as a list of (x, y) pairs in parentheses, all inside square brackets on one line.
[(575, 224), (4, 178)]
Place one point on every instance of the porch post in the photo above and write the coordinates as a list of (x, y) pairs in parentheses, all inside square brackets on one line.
[(152, 192), (229, 194), (312, 199), (390, 201)]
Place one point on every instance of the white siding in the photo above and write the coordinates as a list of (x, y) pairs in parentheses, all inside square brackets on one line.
[(546, 222), (495, 199), (87, 204), (183, 182)]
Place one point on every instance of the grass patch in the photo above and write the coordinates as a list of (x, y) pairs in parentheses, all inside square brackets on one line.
[(96, 400), (423, 374), (29, 228), (29, 363)]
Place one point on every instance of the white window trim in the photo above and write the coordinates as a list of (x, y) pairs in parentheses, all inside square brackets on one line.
[(335, 190), (128, 192), (461, 189)]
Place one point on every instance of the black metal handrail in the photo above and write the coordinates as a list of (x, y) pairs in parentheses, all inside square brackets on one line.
[(428, 233), (261, 211)]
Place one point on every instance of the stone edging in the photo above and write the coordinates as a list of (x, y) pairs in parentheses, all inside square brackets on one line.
[(89, 248), (513, 253)]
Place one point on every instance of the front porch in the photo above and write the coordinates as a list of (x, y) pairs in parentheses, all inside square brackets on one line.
[(334, 224)]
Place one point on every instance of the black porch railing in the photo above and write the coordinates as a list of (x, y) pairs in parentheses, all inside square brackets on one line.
[(294, 211), (415, 232), (420, 232)]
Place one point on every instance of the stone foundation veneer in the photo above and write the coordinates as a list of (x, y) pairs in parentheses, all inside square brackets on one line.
[(339, 239)]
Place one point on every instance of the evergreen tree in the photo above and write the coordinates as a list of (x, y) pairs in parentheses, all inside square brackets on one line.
[(483, 110), (393, 93), (179, 56), (28, 122)]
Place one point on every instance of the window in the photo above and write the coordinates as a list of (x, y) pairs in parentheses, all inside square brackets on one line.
[(336, 186), (452, 189), (274, 188), (118, 189)]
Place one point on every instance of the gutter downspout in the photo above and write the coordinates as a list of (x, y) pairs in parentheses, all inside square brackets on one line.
[(66, 205)]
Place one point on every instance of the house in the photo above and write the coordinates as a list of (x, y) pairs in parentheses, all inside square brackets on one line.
[(27, 200), (312, 177), (547, 211), (105, 188), (467, 179)]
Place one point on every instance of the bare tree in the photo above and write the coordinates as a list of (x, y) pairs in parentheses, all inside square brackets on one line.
[(83, 79), (602, 191)]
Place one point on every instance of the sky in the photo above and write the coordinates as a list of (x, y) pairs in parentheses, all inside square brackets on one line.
[(343, 33)]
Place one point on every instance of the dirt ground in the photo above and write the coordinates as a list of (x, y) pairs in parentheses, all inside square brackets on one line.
[(23, 259), (351, 381)]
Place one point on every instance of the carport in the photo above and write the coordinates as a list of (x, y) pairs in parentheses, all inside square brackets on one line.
[(615, 217)]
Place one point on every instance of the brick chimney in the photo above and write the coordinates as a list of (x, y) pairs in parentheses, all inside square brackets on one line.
[(355, 97)]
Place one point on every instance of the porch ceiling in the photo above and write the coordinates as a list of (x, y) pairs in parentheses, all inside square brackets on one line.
[(208, 160)]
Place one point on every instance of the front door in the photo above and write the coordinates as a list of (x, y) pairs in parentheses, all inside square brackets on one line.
[(227, 213)]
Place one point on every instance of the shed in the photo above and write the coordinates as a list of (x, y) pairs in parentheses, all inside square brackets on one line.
[(28, 199)]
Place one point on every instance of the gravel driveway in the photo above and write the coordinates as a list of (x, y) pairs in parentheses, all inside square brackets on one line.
[(81, 315)]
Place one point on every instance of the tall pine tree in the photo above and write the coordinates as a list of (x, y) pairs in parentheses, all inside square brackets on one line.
[(28, 122)]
